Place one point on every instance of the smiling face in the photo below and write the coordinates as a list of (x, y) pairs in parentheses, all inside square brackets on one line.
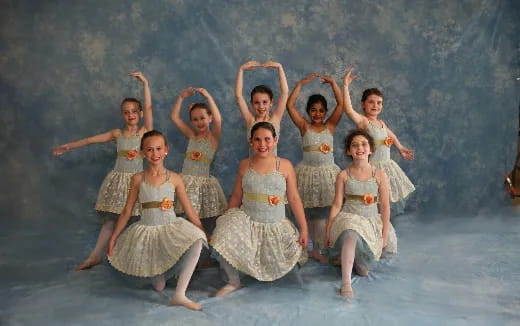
[(359, 148), (131, 113), (200, 119), (372, 105), (261, 103), (263, 142), (154, 149), (317, 113)]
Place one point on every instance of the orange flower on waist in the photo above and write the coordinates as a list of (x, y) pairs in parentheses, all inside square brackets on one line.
[(166, 203), (132, 154), (195, 156), (273, 200), (324, 148), (368, 199), (388, 141)]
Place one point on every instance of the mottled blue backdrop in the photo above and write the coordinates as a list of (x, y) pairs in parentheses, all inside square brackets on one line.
[(447, 69)]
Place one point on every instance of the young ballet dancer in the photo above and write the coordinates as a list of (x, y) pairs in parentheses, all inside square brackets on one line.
[(355, 226), (384, 138), (155, 244), (316, 174), (114, 189), (205, 193), (261, 99), (254, 236)]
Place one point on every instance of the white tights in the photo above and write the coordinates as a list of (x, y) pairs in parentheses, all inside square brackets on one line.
[(190, 262)]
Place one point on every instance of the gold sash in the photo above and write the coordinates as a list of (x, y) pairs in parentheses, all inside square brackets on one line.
[(124, 153), (360, 198), (272, 200)]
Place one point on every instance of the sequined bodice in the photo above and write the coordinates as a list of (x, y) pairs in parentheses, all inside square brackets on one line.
[(195, 164), (382, 152), (249, 128), (263, 184), (314, 140), (357, 187), (149, 193), (124, 163)]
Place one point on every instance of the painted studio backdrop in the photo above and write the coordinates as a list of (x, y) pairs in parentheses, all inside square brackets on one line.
[(447, 69)]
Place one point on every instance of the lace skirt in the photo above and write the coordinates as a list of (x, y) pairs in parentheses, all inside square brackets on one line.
[(265, 251), (400, 185), (150, 250), (205, 194), (114, 192), (316, 184), (370, 229)]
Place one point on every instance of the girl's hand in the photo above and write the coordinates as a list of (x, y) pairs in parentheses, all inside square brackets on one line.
[(139, 76), (61, 149), (308, 78), (385, 242), (111, 245), (326, 79), (407, 153), (271, 64), (327, 240), (303, 240), (250, 65), (190, 91), (349, 77), (202, 91)]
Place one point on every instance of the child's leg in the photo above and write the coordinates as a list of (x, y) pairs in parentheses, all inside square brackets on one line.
[(233, 279), (95, 256), (179, 296), (348, 252), (159, 282), (317, 222), (205, 260)]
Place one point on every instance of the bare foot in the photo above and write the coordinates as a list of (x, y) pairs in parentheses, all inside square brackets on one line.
[(89, 263), (361, 270), (226, 289), (187, 303), (346, 290), (317, 256)]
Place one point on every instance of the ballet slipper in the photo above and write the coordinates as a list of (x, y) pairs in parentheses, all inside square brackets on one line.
[(89, 263), (226, 289), (187, 303), (360, 270), (346, 290)]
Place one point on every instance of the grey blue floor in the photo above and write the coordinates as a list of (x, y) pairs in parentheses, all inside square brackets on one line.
[(451, 270)]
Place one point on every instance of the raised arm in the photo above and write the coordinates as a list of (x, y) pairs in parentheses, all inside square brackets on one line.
[(295, 115), (239, 88), (175, 115), (406, 153), (360, 120), (215, 113), (147, 110), (336, 205), (295, 201), (284, 91), (384, 203), (100, 138), (335, 117), (127, 210)]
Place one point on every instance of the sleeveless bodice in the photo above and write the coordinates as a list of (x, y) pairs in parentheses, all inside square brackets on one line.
[(360, 188), (128, 162), (248, 137), (311, 143), (382, 152), (199, 156), (149, 193), (271, 184)]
